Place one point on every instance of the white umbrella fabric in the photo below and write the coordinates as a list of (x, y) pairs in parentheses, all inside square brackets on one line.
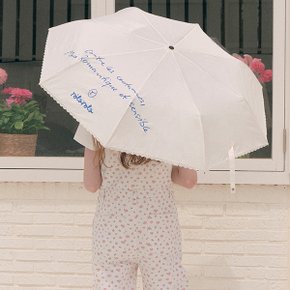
[(155, 87)]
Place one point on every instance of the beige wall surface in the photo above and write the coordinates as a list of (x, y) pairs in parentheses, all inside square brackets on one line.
[(230, 241)]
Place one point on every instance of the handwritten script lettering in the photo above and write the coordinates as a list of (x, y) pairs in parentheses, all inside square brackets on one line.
[(112, 81), (129, 86), (142, 122), (71, 54), (106, 80), (83, 103)]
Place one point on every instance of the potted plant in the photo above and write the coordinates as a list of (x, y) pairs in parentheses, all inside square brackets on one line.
[(263, 75), (20, 120)]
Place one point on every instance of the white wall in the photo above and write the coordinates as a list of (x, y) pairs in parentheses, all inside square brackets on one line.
[(230, 242)]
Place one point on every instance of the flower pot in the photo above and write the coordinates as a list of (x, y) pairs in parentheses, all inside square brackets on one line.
[(17, 144)]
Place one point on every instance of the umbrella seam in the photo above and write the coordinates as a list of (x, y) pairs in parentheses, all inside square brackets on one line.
[(128, 33), (153, 157), (131, 52), (147, 20), (243, 98), (70, 112), (264, 115), (197, 65), (64, 69), (58, 101), (141, 86), (195, 26), (202, 129), (79, 62), (211, 55), (234, 92)]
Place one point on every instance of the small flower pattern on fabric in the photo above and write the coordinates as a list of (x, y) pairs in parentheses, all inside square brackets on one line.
[(136, 225)]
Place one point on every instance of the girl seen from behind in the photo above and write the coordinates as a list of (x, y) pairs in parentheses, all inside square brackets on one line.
[(136, 222)]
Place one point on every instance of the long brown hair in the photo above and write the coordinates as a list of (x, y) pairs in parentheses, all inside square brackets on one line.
[(125, 158)]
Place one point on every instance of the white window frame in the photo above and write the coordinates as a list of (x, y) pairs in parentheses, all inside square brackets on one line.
[(273, 170)]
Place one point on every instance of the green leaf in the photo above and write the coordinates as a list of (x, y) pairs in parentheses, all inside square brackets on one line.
[(29, 118), (18, 125), (25, 118)]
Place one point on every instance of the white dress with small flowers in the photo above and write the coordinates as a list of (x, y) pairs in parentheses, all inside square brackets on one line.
[(136, 225)]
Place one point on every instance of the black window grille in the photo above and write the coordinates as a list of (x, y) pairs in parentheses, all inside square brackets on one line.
[(24, 25)]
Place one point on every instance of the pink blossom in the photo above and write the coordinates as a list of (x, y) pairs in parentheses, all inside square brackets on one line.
[(3, 76), (266, 76), (9, 101), (17, 96), (7, 91), (238, 56), (248, 59), (15, 100), (17, 92), (257, 66)]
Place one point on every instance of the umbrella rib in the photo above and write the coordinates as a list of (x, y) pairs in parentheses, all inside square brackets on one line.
[(141, 86), (235, 93), (131, 52), (196, 25), (105, 55), (135, 34), (201, 126), (154, 69), (147, 20), (193, 28), (197, 65), (147, 39), (204, 53)]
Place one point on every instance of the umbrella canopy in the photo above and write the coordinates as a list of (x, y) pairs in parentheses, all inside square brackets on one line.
[(155, 87)]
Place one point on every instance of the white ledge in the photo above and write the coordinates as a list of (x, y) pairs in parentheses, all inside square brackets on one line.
[(210, 177)]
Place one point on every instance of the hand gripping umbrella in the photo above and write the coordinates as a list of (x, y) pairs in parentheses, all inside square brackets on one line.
[(155, 87)]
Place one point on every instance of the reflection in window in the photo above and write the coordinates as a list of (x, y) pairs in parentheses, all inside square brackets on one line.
[(240, 26), (23, 29)]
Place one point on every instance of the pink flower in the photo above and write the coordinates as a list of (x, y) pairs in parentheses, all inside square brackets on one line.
[(9, 101), (248, 59), (257, 66), (17, 92), (3, 76), (266, 76), (7, 91), (17, 96), (238, 56), (15, 100)]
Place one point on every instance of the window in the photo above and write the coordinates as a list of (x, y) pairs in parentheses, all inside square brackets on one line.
[(24, 26), (242, 27), (255, 27)]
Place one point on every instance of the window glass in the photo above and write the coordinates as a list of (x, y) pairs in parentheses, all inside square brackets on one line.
[(242, 27), (23, 29)]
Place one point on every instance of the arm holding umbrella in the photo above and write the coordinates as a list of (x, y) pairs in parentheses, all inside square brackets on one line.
[(92, 176), (184, 176), (92, 171)]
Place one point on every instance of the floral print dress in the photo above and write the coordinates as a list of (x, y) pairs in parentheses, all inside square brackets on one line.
[(136, 225)]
